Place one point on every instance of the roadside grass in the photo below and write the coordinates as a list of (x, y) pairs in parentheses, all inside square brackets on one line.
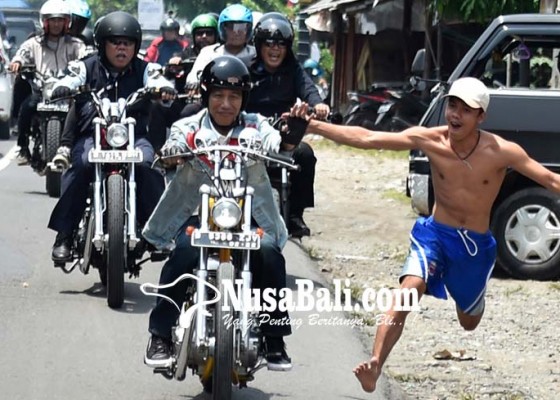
[(329, 144), (513, 290), (405, 378), (396, 195), (554, 285)]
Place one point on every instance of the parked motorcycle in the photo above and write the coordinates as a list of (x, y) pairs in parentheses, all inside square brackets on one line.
[(107, 237), (46, 127), (222, 346), (363, 106)]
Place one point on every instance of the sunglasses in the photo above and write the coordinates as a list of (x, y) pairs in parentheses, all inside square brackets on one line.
[(121, 42), (276, 42), (202, 32)]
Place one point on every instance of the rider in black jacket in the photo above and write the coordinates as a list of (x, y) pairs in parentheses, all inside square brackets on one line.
[(117, 69), (279, 80)]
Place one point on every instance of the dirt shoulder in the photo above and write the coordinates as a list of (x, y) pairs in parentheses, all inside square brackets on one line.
[(360, 227)]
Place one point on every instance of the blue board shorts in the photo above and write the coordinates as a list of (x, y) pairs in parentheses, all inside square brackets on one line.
[(455, 259)]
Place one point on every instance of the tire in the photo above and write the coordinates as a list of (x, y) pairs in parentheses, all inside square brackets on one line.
[(362, 118), (5, 130), (115, 245), (223, 347), (52, 141), (527, 229)]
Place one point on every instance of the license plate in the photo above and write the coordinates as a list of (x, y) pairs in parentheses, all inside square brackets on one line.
[(383, 108), (115, 156), (226, 240), (52, 107)]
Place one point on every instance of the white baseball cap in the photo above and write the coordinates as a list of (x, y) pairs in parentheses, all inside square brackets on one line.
[(472, 91)]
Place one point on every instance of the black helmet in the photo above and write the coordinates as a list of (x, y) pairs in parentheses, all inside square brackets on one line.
[(117, 23), (273, 25), (87, 36), (227, 72), (169, 24)]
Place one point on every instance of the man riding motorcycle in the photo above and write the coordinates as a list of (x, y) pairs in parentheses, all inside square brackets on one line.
[(278, 81), (50, 52), (225, 85), (119, 72)]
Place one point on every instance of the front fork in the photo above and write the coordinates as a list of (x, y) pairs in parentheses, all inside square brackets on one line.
[(99, 201), (225, 257)]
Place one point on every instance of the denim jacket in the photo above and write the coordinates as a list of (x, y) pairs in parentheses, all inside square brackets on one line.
[(181, 197)]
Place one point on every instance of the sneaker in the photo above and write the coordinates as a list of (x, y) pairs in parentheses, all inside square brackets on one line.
[(62, 157), (158, 353), (24, 156), (62, 247), (276, 357), (297, 227)]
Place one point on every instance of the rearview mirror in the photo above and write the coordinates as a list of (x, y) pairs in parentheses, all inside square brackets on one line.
[(417, 67)]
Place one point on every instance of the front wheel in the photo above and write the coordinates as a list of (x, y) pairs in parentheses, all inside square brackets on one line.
[(527, 229), (223, 347), (52, 140), (116, 245)]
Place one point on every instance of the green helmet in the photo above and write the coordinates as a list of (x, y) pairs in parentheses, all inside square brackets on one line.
[(204, 21)]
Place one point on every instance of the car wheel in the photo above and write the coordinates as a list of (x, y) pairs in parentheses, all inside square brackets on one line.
[(527, 229)]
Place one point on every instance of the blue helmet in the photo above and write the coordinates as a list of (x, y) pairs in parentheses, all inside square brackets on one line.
[(313, 68), (235, 13), (79, 8), (81, 14)]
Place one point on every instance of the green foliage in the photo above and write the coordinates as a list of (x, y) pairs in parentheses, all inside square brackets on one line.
[(327, 62), (103, 7), (481, 10), (191, 9)]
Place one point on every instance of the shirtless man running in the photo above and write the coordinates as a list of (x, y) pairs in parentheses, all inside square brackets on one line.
[(453, 249)]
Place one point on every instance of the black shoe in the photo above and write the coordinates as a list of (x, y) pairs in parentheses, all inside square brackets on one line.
[(62, 247), (276, 357), (158, 353), (297, 227)]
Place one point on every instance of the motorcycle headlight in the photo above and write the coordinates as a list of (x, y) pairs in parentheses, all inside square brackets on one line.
[(117, 135), (226, 213)]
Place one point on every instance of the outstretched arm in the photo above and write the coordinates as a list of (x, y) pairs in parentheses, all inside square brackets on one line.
[(362, 138), (522, 163)]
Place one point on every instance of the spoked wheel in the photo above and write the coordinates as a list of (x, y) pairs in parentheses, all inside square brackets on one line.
[(116, 245), (52, 140), (223, 348)]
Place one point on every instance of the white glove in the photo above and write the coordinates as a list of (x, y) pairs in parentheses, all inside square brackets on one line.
[(271, 143)]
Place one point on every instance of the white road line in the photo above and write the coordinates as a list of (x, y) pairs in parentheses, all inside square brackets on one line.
[(11, 155)]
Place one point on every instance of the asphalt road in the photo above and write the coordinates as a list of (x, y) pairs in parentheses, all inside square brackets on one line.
[(59, 340)]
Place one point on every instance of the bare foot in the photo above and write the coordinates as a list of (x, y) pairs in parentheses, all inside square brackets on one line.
[(367, 373)]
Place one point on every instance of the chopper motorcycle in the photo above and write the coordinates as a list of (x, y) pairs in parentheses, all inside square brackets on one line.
[(107, 237), (220, 344)]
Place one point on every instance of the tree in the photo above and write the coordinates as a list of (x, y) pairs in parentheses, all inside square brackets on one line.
[(481, 10), (191, 9)]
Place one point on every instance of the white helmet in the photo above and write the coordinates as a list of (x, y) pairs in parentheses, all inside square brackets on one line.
[(54, 9)]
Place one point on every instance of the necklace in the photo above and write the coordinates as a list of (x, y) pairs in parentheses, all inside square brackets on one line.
[(464, 159)]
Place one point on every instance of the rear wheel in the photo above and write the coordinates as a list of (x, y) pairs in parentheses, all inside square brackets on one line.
[(223, 347), (527, 229), (115, 244), (52, 140)]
